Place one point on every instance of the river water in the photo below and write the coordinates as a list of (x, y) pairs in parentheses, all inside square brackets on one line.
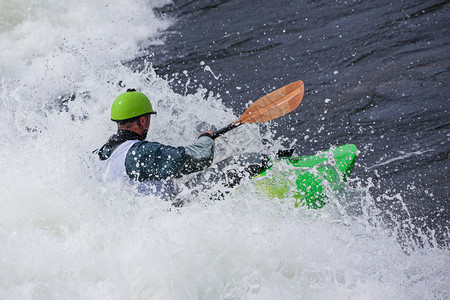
[(376, 75)]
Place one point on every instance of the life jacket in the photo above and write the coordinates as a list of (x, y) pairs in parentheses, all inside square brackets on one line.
[(114, 168)]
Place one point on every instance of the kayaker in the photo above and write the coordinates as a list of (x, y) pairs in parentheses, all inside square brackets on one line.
[(149, 165)]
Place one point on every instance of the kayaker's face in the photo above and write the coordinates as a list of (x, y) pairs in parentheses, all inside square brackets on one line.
[(145, 121)]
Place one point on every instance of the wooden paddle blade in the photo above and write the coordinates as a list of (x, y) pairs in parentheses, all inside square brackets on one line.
[(274, 105)]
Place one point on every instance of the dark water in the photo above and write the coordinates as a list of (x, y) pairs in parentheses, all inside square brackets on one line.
[(376, 74)]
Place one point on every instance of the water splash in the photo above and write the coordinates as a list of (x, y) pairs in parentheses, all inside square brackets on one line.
[(65, 234)]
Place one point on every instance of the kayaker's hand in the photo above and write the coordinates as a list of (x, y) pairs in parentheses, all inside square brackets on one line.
[(208, 133)]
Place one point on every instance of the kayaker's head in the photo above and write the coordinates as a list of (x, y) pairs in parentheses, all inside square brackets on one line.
[(131, 111)]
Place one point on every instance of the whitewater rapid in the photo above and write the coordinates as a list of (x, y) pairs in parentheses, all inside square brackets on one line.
[(64, 234)]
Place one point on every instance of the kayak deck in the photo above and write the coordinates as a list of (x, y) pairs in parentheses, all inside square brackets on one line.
[(307, 178)]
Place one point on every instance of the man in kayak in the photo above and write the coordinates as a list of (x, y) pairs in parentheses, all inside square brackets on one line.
[(150, 165)]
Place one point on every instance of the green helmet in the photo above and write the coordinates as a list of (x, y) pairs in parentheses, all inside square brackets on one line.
[(129, 105)]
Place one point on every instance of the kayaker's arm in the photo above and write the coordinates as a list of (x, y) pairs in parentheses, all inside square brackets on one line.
[(153, 161), (198, 155)]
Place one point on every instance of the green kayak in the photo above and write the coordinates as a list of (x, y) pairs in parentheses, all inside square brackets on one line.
[(313, 176)]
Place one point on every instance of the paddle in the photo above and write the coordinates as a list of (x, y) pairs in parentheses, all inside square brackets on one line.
[(271, 106)]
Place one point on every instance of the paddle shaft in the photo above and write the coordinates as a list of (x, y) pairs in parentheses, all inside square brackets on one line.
[(219, 132)]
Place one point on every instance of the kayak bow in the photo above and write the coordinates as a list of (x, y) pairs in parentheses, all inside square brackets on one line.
[(312, 175)]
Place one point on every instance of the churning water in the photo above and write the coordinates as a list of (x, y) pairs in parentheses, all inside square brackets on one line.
[(65, 234)]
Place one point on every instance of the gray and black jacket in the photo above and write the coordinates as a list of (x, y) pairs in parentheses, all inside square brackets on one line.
[(127, 155)]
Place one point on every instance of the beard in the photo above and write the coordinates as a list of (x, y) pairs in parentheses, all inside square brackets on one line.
[(144, 133)]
